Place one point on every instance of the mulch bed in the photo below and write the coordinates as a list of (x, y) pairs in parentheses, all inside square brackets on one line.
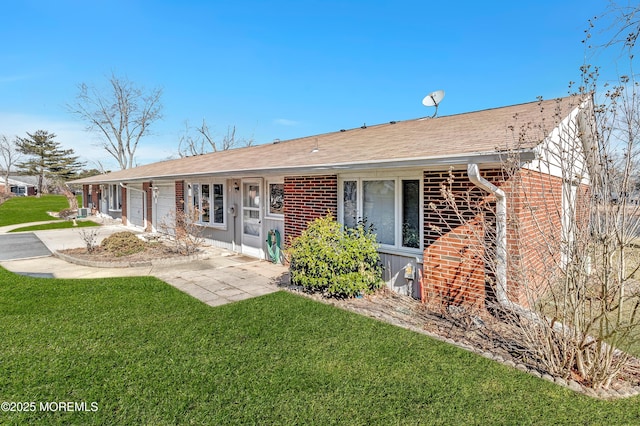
[(477, 331), (152, 251)]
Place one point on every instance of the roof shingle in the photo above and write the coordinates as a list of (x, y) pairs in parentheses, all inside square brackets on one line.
[(471, 133)]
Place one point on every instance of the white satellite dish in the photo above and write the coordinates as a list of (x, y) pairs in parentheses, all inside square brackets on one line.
[(433, 99)]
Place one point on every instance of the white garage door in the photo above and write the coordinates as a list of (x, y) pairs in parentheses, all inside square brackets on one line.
[(135, 207), (164, 205)]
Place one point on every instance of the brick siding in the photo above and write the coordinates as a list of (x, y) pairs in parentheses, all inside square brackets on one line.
[(97, 195), (307, 198), (123, 195), (180, 196), (85, 196), (455, 240), (454, 267)]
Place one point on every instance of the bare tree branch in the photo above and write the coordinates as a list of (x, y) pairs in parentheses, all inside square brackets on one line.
[(122, 115), (10, 157), (205, 142)]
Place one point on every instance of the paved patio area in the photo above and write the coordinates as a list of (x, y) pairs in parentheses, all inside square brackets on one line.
[(222, 278)]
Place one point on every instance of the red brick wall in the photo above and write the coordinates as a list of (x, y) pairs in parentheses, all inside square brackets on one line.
[(147, 187), (535, 244), (180, 196), (454, 268), (455, 271), (123, 194), (85, 196), (95, 196), (307, 198), (534, 238)]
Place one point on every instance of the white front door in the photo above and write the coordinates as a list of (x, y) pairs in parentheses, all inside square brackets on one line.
[(252, 218)]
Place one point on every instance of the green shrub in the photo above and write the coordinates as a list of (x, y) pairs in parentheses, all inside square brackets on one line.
[(123, 244), (338, 262)]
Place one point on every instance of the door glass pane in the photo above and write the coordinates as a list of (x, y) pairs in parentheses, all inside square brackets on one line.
[(251, 195), (350, 203), (378, 208), (251, 222), (411, 213)]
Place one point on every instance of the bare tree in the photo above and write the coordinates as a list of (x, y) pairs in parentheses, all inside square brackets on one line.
[(566, 295), (183, 230), (121, 114), (9, 155), (205, 142)]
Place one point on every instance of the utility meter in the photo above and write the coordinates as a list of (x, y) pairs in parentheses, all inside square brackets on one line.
[(409, 272)]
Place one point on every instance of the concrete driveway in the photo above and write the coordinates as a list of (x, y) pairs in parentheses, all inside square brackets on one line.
[(22, 246)]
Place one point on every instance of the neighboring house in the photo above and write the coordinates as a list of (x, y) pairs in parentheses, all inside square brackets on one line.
[(391, 174), (20, 185)]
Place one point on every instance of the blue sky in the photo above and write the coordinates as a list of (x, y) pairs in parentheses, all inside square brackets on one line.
[(282, 69)]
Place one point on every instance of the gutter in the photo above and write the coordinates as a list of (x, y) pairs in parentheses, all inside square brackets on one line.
[(144, 203), (501, 243), (493, 157)]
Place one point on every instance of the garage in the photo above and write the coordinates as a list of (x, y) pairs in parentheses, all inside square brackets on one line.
[(164, 200), (135, 206)]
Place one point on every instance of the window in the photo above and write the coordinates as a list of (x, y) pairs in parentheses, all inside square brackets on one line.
[(350, 203), (115, 198), (218, 203), (378, 208), (276, 198), (411, 213), (208, 200), (392, 205)]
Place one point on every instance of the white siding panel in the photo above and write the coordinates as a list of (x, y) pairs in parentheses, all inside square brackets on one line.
[(135, 208)]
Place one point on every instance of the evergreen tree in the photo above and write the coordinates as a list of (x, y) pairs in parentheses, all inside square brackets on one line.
[(47, 159)]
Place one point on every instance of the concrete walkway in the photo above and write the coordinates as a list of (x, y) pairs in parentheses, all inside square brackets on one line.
[(222, 278)]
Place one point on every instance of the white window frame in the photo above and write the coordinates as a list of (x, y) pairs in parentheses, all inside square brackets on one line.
[(268, 198), (397, 247), (197, 186), (115, 198)]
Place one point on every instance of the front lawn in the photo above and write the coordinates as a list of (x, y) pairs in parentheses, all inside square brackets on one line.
[(67, 224), (31, 209), (149, 354)]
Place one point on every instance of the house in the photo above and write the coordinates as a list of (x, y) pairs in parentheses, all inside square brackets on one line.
[(20, 185), (391, 174)]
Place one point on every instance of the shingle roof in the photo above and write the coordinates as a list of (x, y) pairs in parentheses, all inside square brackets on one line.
[(471, 134)]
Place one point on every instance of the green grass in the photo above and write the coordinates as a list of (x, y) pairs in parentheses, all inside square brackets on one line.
[(67, 224), (30, 209), (149, 354)]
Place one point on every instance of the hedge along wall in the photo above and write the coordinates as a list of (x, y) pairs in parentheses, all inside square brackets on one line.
[(307, 198)]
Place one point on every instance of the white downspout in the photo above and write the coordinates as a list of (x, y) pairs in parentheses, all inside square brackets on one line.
[(144, 203), (501, 241)]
